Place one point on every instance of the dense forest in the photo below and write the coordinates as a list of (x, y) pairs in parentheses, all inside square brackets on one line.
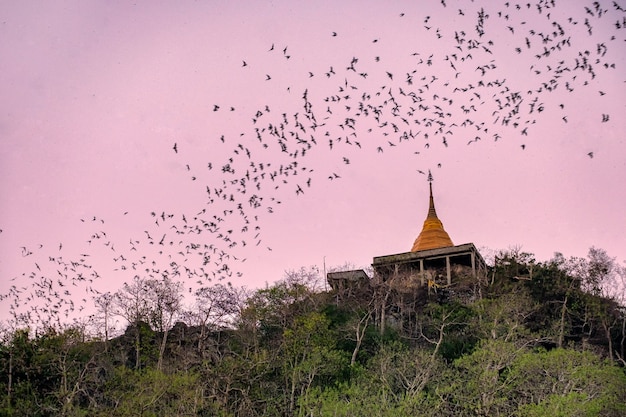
[(526, 339)]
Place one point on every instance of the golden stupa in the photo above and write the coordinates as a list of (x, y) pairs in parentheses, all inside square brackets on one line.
[(433, 235)]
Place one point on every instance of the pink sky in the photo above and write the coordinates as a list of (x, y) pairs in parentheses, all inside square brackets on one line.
[(95, 94)]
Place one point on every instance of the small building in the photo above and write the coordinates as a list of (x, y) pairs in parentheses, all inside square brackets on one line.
[(342, 281), (349, 284)]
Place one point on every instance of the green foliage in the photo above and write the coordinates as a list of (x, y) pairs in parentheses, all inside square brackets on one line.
[(346, 400), (47, 375), (152, 393), (477, 383), (310, 355), (296, 351), (569, 405), (563, 379), (454, 320)]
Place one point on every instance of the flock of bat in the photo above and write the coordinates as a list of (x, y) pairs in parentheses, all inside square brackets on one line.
[(458, 94)]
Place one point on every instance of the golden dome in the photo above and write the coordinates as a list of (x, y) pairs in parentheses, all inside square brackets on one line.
[(433, 235)]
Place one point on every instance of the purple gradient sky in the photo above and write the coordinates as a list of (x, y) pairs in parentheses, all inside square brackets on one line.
[(95, 94)]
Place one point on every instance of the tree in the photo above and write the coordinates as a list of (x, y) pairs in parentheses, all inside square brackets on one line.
[(272, 309), (505, 317), (132, 303), (360, 324), (556, 289), (591, 296), (16, 353), (402, 372), (50, 374), (309, 353), (74, 361), (150, 392), (215, 307), (482, 385), (602, 275), (444, 327), (567, 382), (105, 305), (166, 297)]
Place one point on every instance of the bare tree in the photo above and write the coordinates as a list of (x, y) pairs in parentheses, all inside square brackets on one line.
[(360, 326), (166, 298), (132, 303), (105, 305), (215, 307)]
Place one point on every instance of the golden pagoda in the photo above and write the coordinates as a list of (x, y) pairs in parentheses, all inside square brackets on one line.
[(433, 235), (433, 261)]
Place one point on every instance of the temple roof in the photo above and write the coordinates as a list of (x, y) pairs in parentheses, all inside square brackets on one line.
[(433, 235)]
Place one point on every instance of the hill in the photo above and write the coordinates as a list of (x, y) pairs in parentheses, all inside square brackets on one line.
[(529, 339)]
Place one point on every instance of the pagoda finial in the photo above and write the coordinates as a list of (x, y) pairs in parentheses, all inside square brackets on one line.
[(430, 184)]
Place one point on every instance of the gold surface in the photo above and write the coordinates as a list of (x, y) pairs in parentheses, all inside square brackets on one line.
[(433, 235)]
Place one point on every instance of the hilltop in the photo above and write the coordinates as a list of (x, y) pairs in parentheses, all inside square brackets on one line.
[(528, 339)]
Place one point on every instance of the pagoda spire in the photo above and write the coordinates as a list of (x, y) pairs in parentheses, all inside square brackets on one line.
[(433, 235), (432, 214)]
